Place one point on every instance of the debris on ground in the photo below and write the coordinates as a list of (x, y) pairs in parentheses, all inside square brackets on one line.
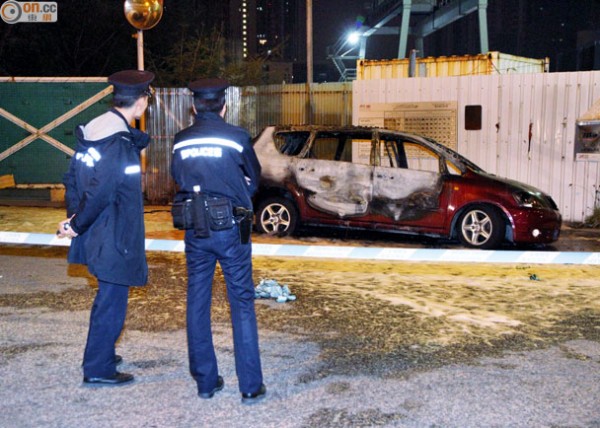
[(271, 289)]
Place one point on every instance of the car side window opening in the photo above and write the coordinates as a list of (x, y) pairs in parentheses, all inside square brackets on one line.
[(391, 156), (291, 143), (407, 155), (421, 158), (324, 147), (341, 147)]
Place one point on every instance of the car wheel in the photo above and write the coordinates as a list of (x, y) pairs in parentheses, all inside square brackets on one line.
[(481, 227), (276, 216)]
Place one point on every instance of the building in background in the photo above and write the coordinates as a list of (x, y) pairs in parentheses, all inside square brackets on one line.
[(588, 50), (272, 30), (242, 28)]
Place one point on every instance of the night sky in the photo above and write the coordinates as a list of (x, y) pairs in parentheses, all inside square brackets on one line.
[(21, 45), (332, 19)]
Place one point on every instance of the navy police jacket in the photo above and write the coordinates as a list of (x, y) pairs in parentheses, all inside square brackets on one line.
[(218, 157), (104, 192)]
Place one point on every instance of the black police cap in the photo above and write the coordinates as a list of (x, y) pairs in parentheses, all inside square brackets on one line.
[(130, 82), (208, 88)]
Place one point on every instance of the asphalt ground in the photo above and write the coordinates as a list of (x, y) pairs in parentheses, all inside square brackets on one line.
[(366, 343)]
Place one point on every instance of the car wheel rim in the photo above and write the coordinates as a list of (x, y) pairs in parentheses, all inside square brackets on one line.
[(275, 219), (477, 228)]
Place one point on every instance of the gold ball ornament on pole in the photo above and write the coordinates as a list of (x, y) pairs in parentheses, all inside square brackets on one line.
[(143, 14)]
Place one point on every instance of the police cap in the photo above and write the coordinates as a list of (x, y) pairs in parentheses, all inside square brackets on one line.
[(208, 88), (131, 82)]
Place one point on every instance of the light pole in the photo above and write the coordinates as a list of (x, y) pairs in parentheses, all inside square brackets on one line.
[(309, 60), (309, 42)]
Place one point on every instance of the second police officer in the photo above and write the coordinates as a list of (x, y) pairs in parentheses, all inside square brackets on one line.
[(217, 172), (105, 209)]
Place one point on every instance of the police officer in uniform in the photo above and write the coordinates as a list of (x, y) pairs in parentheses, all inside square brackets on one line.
[(215, 166), (105, 211)]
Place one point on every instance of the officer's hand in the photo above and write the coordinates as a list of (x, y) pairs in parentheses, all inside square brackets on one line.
[(64, 229)]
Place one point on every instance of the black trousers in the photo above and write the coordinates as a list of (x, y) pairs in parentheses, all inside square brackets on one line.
[(235, 259), (106, 323)]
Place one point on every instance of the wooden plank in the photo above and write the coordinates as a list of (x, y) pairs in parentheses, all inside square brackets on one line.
[(7, 181)]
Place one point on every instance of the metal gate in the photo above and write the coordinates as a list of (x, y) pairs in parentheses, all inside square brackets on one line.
[(37, 119)]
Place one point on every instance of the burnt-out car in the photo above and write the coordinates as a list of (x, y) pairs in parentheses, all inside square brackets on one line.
[(379, 179)]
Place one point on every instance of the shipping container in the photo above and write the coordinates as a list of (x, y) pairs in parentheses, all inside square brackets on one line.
[(445, 66)]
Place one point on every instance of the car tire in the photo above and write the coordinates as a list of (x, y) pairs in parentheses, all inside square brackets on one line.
[(481, 226), (276, 216)]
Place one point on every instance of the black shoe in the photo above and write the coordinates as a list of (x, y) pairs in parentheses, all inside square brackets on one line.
[(220, 384), (116, 379), (251, 398)]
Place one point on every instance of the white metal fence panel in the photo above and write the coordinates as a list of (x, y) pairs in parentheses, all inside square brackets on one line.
[(528, 126)]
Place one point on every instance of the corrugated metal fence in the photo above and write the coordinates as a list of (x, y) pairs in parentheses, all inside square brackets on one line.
[(329, 104)]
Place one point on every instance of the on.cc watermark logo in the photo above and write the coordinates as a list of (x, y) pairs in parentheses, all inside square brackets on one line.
[(13, 12)]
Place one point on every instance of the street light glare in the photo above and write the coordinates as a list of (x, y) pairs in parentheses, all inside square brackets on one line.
[(354, 37)]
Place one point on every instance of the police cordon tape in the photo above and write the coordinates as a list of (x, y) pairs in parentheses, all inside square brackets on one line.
[(347, 252)]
